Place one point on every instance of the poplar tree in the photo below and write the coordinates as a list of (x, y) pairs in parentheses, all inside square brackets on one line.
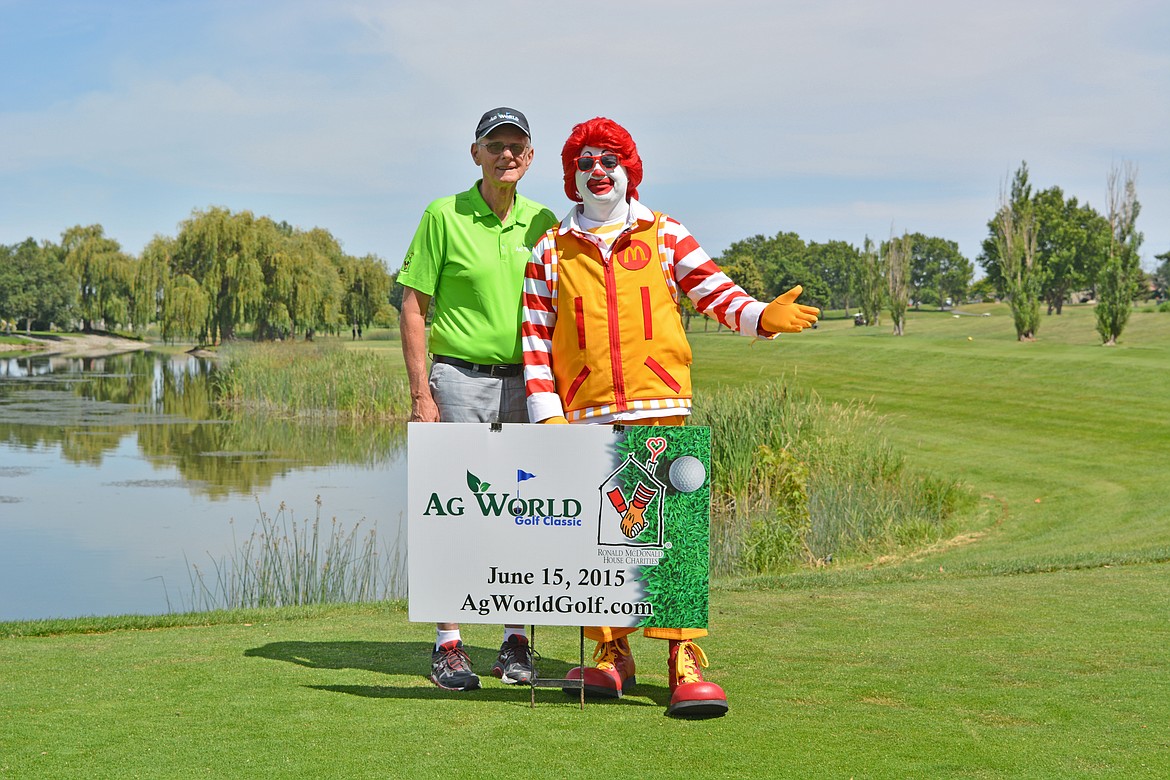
[(1015, 241), (1118, 281), (872, 282), (897, 262)]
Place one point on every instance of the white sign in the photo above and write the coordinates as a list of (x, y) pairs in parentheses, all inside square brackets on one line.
[(558, 524)]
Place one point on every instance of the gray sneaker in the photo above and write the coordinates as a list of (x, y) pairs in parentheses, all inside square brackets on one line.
[(451, 668), (514, 664)]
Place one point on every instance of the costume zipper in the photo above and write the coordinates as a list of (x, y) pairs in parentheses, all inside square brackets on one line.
[(615, 340)]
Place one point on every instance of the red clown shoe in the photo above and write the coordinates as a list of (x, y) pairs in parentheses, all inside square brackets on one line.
[(691, 695), (614, 670)]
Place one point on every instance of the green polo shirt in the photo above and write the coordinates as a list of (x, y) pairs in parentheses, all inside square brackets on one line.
[(473, 267)]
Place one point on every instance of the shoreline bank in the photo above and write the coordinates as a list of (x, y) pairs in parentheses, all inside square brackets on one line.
[(75, 345)]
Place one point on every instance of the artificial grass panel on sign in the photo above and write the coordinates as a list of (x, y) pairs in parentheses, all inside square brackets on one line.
[(678, 585)]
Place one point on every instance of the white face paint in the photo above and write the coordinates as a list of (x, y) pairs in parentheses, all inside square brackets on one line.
[(603, 193)]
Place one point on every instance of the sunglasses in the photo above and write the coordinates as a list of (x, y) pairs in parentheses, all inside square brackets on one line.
[(608, 161), (498, 147)]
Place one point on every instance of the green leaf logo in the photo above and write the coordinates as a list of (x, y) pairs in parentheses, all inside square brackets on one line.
[(475, 484)]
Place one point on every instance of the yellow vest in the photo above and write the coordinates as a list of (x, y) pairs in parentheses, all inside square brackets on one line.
[(619, 342)]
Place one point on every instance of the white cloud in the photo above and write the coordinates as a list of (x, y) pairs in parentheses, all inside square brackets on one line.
[(313, 107)]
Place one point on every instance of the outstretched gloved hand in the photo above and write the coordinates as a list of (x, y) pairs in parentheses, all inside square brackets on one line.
[(785, 315)]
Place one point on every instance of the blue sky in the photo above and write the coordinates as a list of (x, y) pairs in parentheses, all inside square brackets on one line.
[(834, 119)]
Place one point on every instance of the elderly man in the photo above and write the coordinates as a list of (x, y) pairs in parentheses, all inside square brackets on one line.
[(604, 343), (468, 256)]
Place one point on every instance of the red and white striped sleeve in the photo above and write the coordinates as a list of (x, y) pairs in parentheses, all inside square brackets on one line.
[(539, 319), (712, 291)]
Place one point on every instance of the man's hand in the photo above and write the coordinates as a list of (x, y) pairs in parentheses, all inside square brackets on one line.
[(424, 409), (558, 420), (784, 315)]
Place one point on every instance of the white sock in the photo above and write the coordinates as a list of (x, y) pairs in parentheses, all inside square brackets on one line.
[(442, 637), (510, 631)]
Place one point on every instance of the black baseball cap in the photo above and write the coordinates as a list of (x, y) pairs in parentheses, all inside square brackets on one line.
[(498, 117)]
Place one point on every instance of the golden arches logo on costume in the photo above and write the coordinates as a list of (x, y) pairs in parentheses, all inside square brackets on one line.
[(633, 257)]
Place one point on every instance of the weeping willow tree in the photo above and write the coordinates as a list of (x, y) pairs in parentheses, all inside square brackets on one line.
[(897, 262), (152, 279), (104, 274), (185, 309), (1118, 280), (1015, 241), (222, 251)]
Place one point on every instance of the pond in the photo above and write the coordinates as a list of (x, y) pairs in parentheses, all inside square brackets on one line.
[(119, 475)]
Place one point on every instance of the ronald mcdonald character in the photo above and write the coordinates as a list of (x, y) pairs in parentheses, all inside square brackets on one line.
[(604, 343)]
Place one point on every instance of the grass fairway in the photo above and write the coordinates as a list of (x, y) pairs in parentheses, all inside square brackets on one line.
[(1035, 645), (1070, 438)]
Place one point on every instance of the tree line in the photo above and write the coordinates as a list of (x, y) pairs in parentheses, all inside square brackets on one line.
[(223, 272), (911, 270), (227, 272), (1042, 248)]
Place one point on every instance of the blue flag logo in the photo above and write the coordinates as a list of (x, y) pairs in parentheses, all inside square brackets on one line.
[(522, 475)]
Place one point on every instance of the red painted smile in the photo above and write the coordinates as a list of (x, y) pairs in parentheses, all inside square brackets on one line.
[(602, 186)]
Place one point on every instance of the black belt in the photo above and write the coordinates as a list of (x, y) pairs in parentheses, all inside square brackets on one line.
[(497, 369)]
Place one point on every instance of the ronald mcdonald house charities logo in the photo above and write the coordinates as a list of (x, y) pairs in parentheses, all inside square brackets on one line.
[(631, 509)]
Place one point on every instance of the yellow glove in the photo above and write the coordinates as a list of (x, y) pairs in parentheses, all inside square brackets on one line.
[(558, 420), (784, 315)]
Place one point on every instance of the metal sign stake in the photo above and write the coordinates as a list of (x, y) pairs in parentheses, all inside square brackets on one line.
[(549, 682)]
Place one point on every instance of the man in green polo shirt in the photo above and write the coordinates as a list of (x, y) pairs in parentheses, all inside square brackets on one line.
[(468, 255)]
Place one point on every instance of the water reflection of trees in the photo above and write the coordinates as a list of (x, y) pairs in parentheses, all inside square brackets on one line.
[(88, 406)]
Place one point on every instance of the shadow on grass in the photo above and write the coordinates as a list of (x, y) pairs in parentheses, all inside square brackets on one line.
[(413, 658), (654, 696), (381, 657)]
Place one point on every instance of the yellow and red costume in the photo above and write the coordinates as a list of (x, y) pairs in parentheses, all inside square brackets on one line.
[(604, 342), (603, 339)]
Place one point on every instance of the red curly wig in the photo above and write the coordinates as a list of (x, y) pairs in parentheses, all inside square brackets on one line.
[(606, 134)]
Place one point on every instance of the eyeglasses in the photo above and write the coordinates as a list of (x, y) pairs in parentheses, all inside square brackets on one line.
[(608, 161), (498, 147)]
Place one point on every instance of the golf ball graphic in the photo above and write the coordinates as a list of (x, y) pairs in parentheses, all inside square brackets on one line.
[(687, 474)]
